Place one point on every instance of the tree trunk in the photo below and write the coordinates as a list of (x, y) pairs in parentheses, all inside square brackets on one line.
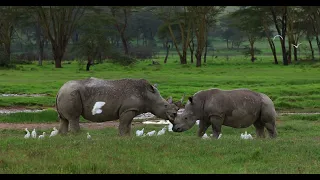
[(191, 48), (311, 48), (252, 51), (273, 49), (41, 45), (318, 43), (191, 53), (167, 54), (271, 43), (284, 53), (282, 32), (198, 58), (89, 63), (57, 55), (289, 50), (183, 59), (227, 43), (205, 51), (295, 54), (124, 44)]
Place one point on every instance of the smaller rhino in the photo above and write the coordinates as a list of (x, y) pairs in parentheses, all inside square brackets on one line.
[(238, 108)]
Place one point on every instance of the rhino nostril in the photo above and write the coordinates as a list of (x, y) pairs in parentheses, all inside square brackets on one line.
[(174, 114)]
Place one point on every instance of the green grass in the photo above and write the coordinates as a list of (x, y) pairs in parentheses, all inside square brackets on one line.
[(47, 116), (296, 150), (290, 87)]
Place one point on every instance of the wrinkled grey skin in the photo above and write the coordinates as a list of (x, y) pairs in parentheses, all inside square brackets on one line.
[(238, 108), (124, 98)]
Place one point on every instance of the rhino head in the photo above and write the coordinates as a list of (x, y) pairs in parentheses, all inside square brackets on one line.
[(188, 117), (164, 109)]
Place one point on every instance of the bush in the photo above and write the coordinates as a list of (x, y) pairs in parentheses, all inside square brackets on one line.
[(142, 52), (247, 51), (118, 58)]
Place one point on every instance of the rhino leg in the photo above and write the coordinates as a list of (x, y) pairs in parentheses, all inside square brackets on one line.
[(64, 124), (259, 129), (125, 122), (271, 127), (268, 116), (74, 125), (203, 126), (216, 122)]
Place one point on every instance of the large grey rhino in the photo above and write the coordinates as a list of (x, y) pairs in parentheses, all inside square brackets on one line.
[(238, 108), (124, 99)]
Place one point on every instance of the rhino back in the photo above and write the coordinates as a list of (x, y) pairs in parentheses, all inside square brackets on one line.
[(113, 92)]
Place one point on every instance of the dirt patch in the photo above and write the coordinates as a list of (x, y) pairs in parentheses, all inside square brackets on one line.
[(44, 126)]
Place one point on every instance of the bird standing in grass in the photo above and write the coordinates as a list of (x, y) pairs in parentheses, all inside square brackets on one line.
[(88, 135), (54, 132), (139, 132), (245, 136), (162, 131), (151, 133), (28, 133), (42, 136), (34, 133)]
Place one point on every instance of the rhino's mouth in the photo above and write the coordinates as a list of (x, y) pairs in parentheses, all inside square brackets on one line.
[(171, 116)]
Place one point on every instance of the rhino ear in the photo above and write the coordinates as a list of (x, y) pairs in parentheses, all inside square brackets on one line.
[(170, 100), (190, 99), (151, 88), (156, 86)]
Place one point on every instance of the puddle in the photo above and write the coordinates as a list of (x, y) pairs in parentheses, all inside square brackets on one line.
[(145, 116), (23, 95), (10, 111), (288, 113), (157, 122)]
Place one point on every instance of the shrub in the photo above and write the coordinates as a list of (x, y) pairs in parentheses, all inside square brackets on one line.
[(142, 52), (118, 58)]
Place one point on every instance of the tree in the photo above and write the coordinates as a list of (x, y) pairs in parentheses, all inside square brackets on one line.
[(9, 17), (93, 40), (58, 24), (180, 16), (202, 17), (266, 21), (164, 34), (227, 31), (312, 14), (246, 20), (279, 16), (295, 29), (120, 16)]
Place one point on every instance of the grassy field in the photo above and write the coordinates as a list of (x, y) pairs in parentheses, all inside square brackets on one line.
[(293, 88)]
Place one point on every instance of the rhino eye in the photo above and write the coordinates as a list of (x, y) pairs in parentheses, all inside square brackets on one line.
[(185, 118), (165, 106)]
